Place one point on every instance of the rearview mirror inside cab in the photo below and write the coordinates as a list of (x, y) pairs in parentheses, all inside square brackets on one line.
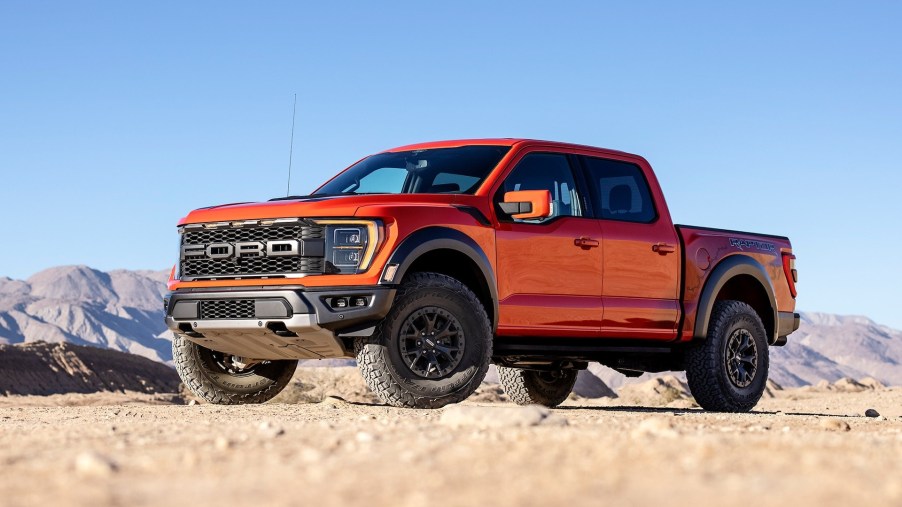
[(527, 204)]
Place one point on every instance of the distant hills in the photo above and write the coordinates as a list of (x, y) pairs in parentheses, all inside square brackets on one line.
[(828, 347), (122, 310)]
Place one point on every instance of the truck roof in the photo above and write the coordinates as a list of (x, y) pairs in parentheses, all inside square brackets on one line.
[(499, 141)]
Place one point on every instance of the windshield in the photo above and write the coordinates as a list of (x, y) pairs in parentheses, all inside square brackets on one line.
[(438, 171)]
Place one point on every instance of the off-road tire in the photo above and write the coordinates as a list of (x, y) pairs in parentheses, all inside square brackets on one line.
[(379, 357), (197, 367), (534, 387), (707, 368)]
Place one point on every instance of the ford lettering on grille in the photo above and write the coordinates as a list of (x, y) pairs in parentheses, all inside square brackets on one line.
[(236, 251), (284, 248)]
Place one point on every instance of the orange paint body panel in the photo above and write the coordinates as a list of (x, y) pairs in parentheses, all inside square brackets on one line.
[(535, 294), (706, 249)]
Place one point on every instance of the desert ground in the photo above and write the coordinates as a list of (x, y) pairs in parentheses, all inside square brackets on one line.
[(808, 446)]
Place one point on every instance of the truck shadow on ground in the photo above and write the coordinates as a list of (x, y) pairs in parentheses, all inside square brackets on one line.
[(697, 411), (630, 409)]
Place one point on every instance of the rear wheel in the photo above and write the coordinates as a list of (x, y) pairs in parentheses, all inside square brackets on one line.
[(432, 349), (537, 387), (728, 371), (224, 379)]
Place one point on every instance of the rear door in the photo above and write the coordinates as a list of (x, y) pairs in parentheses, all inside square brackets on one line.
[(641, 251), (549, 270)]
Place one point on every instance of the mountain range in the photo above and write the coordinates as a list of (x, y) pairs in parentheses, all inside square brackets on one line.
[(122, 310)]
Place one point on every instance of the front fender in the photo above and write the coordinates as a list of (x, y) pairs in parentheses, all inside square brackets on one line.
[(435, 238)]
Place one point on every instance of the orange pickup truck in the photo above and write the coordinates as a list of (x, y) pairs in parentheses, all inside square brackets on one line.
[(428, 262)]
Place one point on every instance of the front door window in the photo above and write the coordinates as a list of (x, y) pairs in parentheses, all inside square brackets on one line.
[(552, 172)]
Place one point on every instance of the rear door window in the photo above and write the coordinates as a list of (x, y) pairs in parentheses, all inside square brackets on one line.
[(619, 190)]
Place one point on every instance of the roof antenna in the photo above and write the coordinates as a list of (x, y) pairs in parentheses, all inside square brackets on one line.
[(291, 146)]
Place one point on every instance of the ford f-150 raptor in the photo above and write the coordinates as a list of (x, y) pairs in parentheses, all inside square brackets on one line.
[(428, 262)]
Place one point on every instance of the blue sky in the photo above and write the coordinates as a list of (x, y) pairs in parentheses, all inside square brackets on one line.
[(116, 118)]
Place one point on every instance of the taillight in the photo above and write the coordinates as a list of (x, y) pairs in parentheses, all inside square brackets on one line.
[(789, 268)]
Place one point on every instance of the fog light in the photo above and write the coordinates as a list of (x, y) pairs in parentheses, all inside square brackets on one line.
[(360, 302), (340, 303)]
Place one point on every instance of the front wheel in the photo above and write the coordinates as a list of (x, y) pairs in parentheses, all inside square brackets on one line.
[(537, 387), (433, 348), (728, 371), (224, 379)]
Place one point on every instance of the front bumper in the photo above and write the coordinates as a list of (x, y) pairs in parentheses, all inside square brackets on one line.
[(276, 323)]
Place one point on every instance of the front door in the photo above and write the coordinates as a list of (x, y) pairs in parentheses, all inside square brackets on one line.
[(549, 270), (641, 253)]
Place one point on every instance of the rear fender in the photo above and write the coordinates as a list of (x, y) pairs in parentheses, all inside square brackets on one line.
[(728, 269)]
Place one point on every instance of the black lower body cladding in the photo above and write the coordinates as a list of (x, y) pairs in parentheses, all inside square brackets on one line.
[(277, 323), (296, 300)]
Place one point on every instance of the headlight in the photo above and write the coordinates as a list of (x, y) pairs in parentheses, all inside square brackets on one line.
[(350, 245)]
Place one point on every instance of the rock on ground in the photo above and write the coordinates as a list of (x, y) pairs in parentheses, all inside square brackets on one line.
[(659, 427), (499, 416), (656, 392), (834, 424), (90, 464), (313, 385)]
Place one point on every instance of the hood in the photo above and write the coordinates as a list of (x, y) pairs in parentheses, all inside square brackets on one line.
[(313, 207)]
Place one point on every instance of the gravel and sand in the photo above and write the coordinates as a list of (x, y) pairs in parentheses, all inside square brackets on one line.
[(810, 446)]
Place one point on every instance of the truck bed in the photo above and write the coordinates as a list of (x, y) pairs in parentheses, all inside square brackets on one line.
[(706, 250)]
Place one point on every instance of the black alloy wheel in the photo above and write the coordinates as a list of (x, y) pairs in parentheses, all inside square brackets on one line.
[(741, 358), (431, 342)]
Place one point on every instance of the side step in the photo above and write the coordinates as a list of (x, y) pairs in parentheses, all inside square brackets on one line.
[(626, 357)]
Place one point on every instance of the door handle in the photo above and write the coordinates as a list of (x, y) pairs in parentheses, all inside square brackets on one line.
[(586, 242), (663, 248)]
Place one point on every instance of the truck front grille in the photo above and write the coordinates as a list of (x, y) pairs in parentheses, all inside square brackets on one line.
[(252, 233), (227, 309), (259, 266), (309, 261)]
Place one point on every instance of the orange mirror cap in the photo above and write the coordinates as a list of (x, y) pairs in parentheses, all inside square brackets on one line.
[(539, 202)]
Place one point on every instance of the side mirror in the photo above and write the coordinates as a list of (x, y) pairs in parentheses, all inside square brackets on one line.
[(527, 204)]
